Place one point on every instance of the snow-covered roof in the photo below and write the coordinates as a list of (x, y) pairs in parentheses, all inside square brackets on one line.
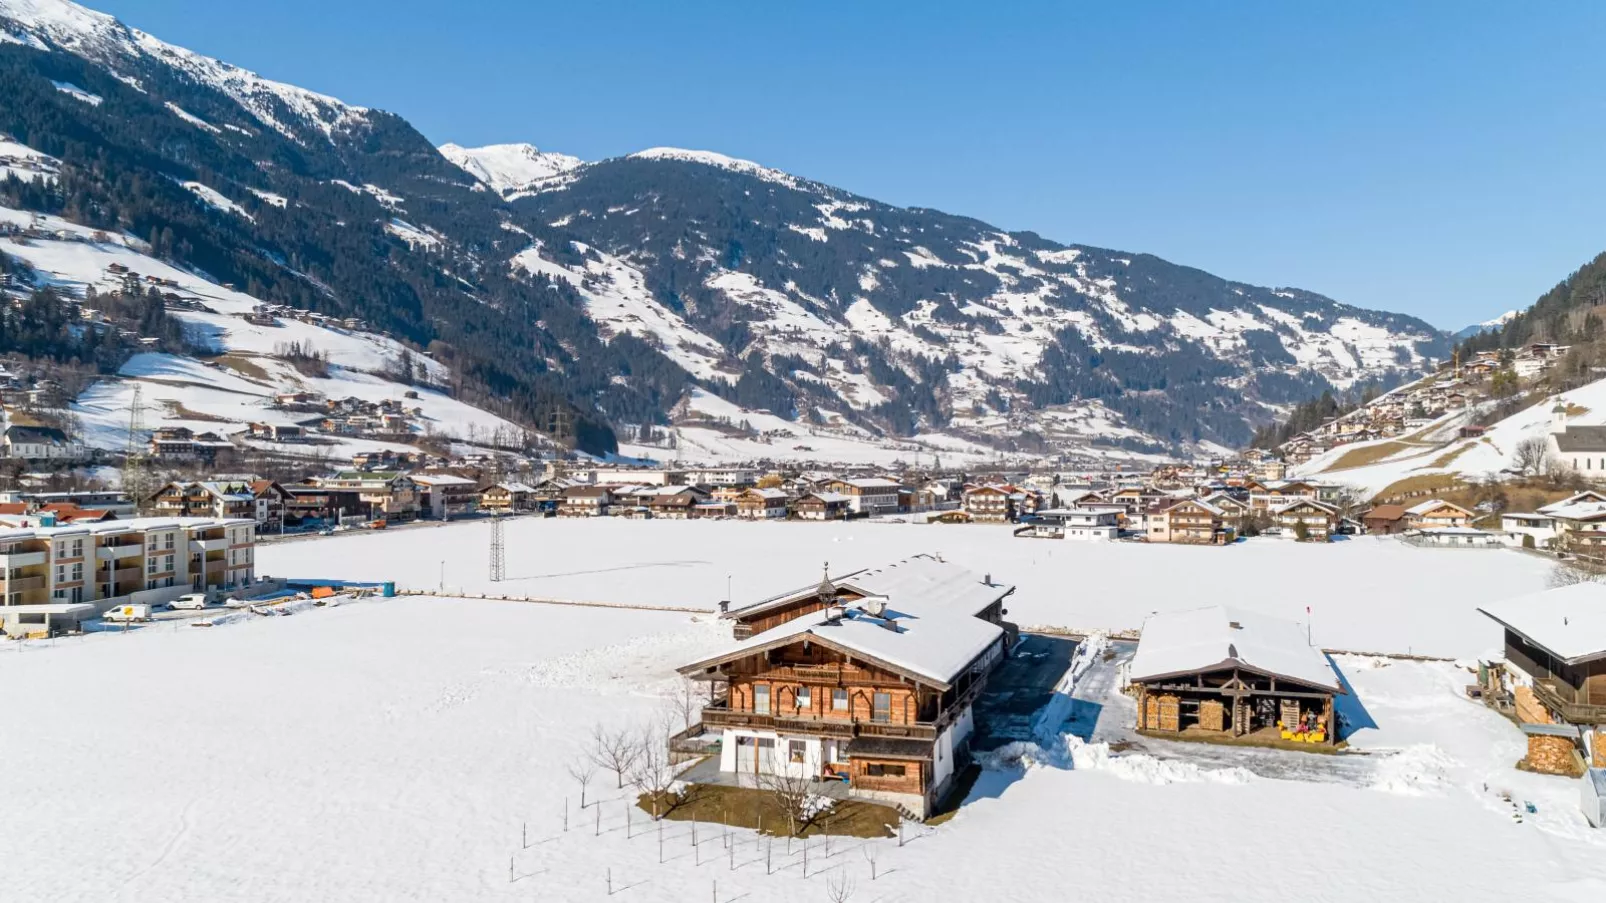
[(919, 584), (871, 483), (769, 493), (1219, 637), (1569, 621), (1575, 511), (928, 627), (515, 487), (441, 479), (131, 525), (1432, 505), (832, 497)]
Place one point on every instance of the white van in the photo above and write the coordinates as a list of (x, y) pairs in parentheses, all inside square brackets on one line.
[(127, 613), (191, 601)]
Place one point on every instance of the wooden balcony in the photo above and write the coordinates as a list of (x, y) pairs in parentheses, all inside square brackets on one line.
[(1556, 695), (19, 584), (719, 717)]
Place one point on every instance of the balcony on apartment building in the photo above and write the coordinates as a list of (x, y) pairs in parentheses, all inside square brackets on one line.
[(119, 552), (217, 544), (21, 584), (10, 560)]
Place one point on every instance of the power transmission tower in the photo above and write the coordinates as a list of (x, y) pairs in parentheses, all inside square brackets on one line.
[(135, 476), (498, 549)]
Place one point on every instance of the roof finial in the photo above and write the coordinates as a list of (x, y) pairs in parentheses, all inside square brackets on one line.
[(827, 591)]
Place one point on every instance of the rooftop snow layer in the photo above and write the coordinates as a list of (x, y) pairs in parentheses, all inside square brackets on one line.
[(1569, 621), (1200, 639)]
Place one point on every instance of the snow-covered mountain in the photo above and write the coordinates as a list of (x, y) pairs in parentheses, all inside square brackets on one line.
[(667, 289), (1485, 326), (508, 168)]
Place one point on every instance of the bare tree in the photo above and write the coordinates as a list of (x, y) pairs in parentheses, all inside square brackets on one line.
[(686, 701), (652, 772), (839, 887), (791, 796), (871, 853), (1531, 456), (582, 770), (613, 751)]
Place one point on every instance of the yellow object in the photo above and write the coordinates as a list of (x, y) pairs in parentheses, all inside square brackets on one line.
[(1288, 735)]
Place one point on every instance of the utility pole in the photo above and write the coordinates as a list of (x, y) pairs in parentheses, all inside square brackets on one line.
[(498, 549), (135, 482)]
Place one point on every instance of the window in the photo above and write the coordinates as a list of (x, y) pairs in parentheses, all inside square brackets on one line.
[(881, 709), (795, 751), (839, 700), (78, 572), (167, 563), (761, 699), (805, 699), (877, 770), (150, 565), (167, 541), (78, 548)]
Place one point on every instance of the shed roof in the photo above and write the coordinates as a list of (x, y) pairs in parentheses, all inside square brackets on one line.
[(1218, 637), (1569, 622)]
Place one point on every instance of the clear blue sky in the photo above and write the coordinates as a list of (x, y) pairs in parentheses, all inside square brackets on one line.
[(1437, 158)]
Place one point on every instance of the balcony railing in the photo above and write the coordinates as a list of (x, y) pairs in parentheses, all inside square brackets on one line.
[(118, 575), (21, 559), (1550, 692), (721, 717), (209, 545), (18, 584), (113, 553)]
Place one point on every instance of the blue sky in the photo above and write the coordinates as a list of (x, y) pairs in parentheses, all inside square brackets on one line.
[(1436, 158)]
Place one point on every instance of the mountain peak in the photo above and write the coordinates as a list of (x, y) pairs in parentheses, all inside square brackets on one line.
[(127, 52), (721, 161), (509, 167)]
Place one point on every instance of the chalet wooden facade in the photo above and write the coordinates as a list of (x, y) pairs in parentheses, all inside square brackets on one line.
[(1193, 521), (761, 504), (867, 679), (1306, 519), (989, 504), (1436, 514), (1218, 673), (822, 506)]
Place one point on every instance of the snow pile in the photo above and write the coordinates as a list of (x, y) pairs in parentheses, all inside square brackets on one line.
[(815, 805), (1417, 769)]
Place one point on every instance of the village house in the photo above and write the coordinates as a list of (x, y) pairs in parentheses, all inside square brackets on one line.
[(1554, 671), (989, 504), (58, 576), (1384, 520), (508, 498), (821, 506), (674, 502), (386, 495), (1437, 514), (761, 504), (584, 501), (869, 495), (1315, 520), (868, 678), (1084, 524), (1265, 497), (444, 496), (1193, 521), (1219, 673)]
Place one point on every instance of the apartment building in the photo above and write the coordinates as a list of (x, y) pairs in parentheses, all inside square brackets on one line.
[(148, 560)]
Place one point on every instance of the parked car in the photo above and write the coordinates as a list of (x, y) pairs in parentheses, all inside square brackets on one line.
[(191, 601), (327, 531)]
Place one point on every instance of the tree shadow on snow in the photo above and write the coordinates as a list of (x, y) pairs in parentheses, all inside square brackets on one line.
[(1352, 713)]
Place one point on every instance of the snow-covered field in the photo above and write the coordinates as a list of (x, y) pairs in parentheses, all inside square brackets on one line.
[(395, 749), (1367, 594)]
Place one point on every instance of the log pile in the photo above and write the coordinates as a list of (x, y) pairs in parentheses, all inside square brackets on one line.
[(1168, 713), (1213, 715), (1550, 755)]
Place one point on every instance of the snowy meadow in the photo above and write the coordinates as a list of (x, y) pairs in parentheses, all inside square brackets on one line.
[(415, 748)]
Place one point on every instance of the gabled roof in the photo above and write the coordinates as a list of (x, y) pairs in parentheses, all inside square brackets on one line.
[(1434, 504), (832, 498), (1385, 512), (1582, 439), (1568, 622), (935, 583), (441, 479), (1218, 638)]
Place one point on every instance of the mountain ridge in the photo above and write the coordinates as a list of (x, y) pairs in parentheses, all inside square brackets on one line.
[(619, 286)]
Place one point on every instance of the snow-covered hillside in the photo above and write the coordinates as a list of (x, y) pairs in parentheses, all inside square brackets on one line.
[(507, 168), (1439, 449), (295, 112)]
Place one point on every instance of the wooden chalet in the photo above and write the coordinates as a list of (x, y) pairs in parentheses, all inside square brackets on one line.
[(1437, 514), (1553, 677), (1220, 673), (584, 501), (822, 506), (1385, 520), (867, 678), (1318, 521), (761, 504), (989, 504), (1192, 521)]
